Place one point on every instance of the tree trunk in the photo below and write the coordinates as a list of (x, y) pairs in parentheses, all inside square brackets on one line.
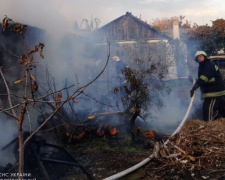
[(20, 150), (132, 122)]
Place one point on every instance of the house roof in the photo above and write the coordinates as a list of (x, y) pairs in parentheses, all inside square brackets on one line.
[(139, 21)]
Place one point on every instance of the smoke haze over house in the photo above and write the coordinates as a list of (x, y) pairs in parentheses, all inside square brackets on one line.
[(65, 52), (60, 15)]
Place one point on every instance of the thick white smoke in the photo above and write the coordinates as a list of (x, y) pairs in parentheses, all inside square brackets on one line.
[(67, 56), (166, 118), (8, 132)]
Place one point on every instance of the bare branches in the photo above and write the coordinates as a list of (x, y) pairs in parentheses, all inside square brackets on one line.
[(74, 95), (85, 86), (20, 107), (9, 97), (17, 28), (197, 151)]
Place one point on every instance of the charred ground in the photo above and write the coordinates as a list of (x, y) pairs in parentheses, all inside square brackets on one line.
[(196, 152)]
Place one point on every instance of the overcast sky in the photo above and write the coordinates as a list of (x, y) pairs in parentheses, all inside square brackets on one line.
[(59, 14)]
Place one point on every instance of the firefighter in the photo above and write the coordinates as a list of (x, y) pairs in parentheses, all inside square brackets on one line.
[(120, 66), (211, 85)]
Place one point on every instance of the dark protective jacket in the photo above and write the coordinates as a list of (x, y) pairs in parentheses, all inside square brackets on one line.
[(210, 80)]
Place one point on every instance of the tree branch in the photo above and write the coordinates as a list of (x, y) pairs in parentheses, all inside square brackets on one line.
[(9, 97)]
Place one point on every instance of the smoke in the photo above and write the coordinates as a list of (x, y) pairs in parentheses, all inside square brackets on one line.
[(57, 15), (8, 132), (175, 103), (69, 55), (41, 14), (166, 118), (63, 55)]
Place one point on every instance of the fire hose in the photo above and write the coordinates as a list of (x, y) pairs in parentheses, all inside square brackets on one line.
[(145, 161)]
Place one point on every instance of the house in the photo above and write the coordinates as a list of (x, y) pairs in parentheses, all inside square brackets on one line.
[(129, 33), (129, 27)]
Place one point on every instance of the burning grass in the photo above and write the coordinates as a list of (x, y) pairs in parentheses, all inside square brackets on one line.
[(197, 152)]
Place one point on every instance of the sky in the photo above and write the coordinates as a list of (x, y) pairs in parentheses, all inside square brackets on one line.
[(57, 15)]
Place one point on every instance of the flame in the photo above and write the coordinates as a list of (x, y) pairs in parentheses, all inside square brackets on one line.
[(150, 134), (113, 131)]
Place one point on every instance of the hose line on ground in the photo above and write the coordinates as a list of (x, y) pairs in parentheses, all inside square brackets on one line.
[(145, 161)]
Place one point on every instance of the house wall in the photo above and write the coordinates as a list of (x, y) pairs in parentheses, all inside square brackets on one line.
[(127, 28), (133, 53), (127, 32)]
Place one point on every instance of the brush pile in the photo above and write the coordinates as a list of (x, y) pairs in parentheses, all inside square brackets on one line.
[(196, 152)]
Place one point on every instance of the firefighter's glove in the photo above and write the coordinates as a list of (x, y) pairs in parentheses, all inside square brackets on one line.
[(192, 93), (196, 86)]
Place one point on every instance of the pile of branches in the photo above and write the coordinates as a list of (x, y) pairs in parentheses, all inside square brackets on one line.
[(196, 152)]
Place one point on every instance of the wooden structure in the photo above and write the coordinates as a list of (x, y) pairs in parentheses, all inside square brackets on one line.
[(129, 27), (129, 33)]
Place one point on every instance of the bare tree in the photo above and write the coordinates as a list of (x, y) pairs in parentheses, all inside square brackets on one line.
[(20, 105), (142, 82), (92, 24)]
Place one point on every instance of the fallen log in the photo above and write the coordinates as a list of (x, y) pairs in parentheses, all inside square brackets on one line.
[(95, 115)]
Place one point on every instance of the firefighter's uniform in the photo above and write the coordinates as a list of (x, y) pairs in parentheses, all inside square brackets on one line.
[(212, 86)]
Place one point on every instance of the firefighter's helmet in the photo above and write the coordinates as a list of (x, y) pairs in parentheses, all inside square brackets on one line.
[(199, 53), (116, 58)]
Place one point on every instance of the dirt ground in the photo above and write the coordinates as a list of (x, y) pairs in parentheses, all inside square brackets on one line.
[(196, 152), (202, 156), (107, 164), (102, 158)]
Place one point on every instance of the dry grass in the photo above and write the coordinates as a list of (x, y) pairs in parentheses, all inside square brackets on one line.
[(197, 152)]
